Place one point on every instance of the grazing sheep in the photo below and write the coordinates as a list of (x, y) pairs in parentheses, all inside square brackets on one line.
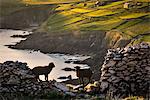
[(43, 70), (83, 73)]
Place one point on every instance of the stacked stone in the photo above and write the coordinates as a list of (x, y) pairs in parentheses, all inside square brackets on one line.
[(127, 71), (16, 77)]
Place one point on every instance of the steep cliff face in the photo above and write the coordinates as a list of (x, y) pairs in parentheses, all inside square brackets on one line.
[(127, 71)]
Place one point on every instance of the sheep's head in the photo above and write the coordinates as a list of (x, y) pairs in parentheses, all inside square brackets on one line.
[(51, 65), (77, 67)]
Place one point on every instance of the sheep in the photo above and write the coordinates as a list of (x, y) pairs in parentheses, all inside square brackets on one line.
[(83, 73), (43, 70)]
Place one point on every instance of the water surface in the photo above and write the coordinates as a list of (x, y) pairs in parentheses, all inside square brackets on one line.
[(35, 58)]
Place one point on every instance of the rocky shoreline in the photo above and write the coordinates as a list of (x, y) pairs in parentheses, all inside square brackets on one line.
[(84, 44)]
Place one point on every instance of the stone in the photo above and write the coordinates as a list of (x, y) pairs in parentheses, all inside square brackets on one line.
[(125, 59), (121, 68), (117, 59), (107, 75), (71, 94), (130, 70), (147, 68), (17, 77), (127, 49), (61, 86), (104, 85), (21, 90), (26, 76), (111, 71), (127, 78), (105, 68), (13, 80), (111, 63), (132, 63), (119, 64), (104, 78), (144, 45)]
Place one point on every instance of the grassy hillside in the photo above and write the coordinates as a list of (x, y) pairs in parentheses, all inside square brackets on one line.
[(84, 15), (111, 15), (35, 2)]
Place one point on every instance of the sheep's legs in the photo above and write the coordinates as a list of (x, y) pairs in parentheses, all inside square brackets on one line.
[(89, 79), (79, 81), (82, 81), (37, 77), (46, 77)]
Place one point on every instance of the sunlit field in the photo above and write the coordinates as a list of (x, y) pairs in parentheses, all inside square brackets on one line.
[(85, 15), (50, 1)]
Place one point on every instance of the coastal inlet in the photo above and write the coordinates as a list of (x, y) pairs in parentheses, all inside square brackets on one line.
[(36, 58)]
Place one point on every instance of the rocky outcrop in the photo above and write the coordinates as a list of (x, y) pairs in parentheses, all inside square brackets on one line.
[(127, 71), (17, 78)]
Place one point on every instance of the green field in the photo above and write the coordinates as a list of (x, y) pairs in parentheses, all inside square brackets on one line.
[(111, 16), (83, 15)]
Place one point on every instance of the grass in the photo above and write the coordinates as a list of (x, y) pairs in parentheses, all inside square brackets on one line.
[(39, 2), (76, 16), (112, 5), (134, 15), (146, 38), (139, 28), (73, 15), (105, 22), (81, 10), (64, 7), (99, 13), (128, 23), (106, 27)]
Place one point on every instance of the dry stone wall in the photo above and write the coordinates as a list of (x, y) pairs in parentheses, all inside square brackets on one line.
[(16, 77), (126, 71)]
